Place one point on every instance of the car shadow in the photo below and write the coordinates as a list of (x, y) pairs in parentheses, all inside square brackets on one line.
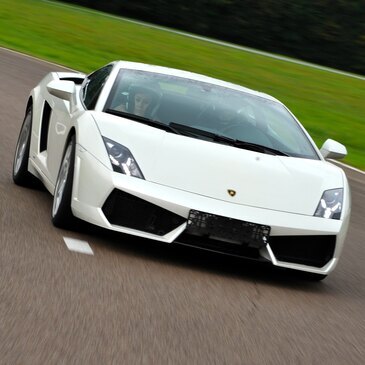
[(198, 259)]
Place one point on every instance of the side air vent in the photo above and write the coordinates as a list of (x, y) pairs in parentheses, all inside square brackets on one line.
[(76, 80), (46, 115)]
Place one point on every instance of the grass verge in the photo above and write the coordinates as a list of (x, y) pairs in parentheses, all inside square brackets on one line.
[(329, 105)]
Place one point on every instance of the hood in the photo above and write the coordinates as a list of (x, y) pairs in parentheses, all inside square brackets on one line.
[(210, 169)]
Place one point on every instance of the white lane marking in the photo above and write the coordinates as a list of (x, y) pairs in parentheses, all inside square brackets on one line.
[(78, 246), (36, 58), (349, 167)]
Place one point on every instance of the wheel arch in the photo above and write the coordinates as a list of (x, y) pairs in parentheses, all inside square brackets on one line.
[(29, 104), (62, 215), (71, 133)]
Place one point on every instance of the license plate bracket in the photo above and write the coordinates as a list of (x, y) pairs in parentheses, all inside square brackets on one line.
[(227, 229)]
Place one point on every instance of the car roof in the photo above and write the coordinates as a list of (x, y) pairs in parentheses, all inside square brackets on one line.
[(188, 75)]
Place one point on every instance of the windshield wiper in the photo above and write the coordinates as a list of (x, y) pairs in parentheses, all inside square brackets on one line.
[(187, 130), (144, 120), (223, 139), (259, 148)]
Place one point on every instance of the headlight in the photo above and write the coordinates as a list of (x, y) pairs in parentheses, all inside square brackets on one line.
[(330, 205), (122, 159)]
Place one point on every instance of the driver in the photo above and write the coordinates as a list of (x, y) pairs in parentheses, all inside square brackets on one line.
[(140, 101)]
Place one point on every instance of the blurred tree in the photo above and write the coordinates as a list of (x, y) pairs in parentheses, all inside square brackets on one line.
[(328, 32)]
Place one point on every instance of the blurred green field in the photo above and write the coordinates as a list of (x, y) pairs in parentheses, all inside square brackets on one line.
[(329, 105)]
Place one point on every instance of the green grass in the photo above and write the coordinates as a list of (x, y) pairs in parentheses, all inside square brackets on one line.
[(329, 105)]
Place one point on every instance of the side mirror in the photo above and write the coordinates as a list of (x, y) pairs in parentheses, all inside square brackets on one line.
[(62, 89), (333, 149)]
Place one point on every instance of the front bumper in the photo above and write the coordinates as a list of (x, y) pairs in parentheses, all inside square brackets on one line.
[(159, 212)]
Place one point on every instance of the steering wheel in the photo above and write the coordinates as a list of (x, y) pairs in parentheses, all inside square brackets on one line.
[(234, 130), (247, 132)]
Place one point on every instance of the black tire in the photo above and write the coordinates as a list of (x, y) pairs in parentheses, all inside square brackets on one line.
[(62, 216), (21, 175)]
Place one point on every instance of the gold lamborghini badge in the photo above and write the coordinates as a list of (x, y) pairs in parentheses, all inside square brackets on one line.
[(231, 192)]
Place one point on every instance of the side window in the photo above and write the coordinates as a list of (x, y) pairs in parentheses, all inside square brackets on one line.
[(93, 85)]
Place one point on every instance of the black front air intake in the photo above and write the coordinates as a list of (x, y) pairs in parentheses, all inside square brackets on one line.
[(216, 245), (314, 251), (123, 209)]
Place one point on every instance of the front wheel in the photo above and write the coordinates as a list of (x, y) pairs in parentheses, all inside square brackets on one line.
[(21, 175), (62, 216)]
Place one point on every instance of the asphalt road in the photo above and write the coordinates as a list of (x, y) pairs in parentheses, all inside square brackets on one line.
[(138, 302)]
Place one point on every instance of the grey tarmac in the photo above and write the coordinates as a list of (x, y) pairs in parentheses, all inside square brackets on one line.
[(140, 302)]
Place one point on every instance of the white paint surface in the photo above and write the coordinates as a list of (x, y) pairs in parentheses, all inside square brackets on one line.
[(76, 245)]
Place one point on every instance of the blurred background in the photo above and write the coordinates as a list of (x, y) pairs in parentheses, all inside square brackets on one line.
[(328, 32), (281, 35)]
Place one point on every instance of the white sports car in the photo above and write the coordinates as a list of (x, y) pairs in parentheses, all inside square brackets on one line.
[(183, 158)]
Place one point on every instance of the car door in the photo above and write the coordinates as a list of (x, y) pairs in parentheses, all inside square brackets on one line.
[(64, 116), (58, 129)]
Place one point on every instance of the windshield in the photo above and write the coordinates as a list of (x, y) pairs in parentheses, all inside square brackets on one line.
[(207, 107)]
